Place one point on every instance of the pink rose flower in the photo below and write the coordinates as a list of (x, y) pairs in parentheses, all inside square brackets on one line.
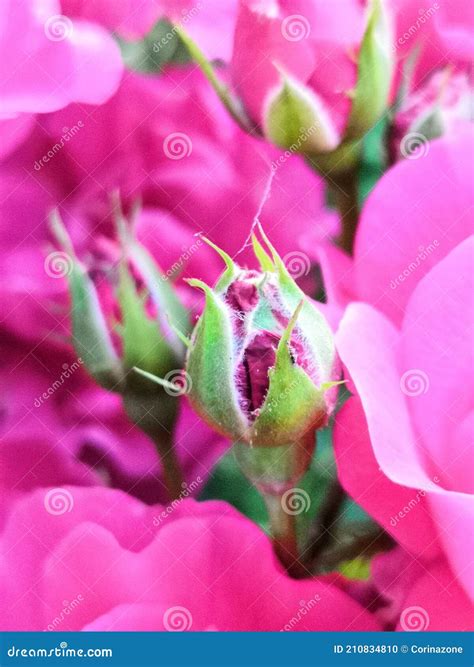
[(416, 214), (191, 567), (48, 61)]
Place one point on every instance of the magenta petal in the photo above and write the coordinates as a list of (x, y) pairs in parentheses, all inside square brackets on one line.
[(204, 560), (436, 602)]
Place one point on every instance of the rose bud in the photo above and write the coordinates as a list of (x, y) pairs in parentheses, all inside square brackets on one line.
[(261, 360), (146, 306), (444, 105), (312, 83), (150, 323)]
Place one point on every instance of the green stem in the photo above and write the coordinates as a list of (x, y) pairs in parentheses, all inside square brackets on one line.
[(345, 192), (274, 471), (284, 535), (172, 474), (154, 412)]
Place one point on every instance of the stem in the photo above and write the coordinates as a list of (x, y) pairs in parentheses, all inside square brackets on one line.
[(155, 413), (172, 474), (327, 515), (283, 529), (345, 193), (275, 471)]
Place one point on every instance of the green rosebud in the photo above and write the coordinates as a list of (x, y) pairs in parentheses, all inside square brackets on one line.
[(262, 361), (150, 318)]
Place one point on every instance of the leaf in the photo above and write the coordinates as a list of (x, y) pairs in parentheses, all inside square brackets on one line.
[(374, 75), (210, 365), (143, 343), (90, 334), (160, 47)]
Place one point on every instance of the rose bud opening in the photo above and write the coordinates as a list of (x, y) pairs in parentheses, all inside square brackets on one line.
[(262, 359)]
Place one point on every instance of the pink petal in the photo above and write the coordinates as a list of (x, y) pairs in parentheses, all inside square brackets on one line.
[(416, 214), (402, 512), (436, 602)]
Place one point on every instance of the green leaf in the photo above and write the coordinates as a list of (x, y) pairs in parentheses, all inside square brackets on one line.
[(90, 334), (227, 482), (170, 312), (210, 364), (374, 75), (143, 343), (230, 102), (293, 403), (160, 47)]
